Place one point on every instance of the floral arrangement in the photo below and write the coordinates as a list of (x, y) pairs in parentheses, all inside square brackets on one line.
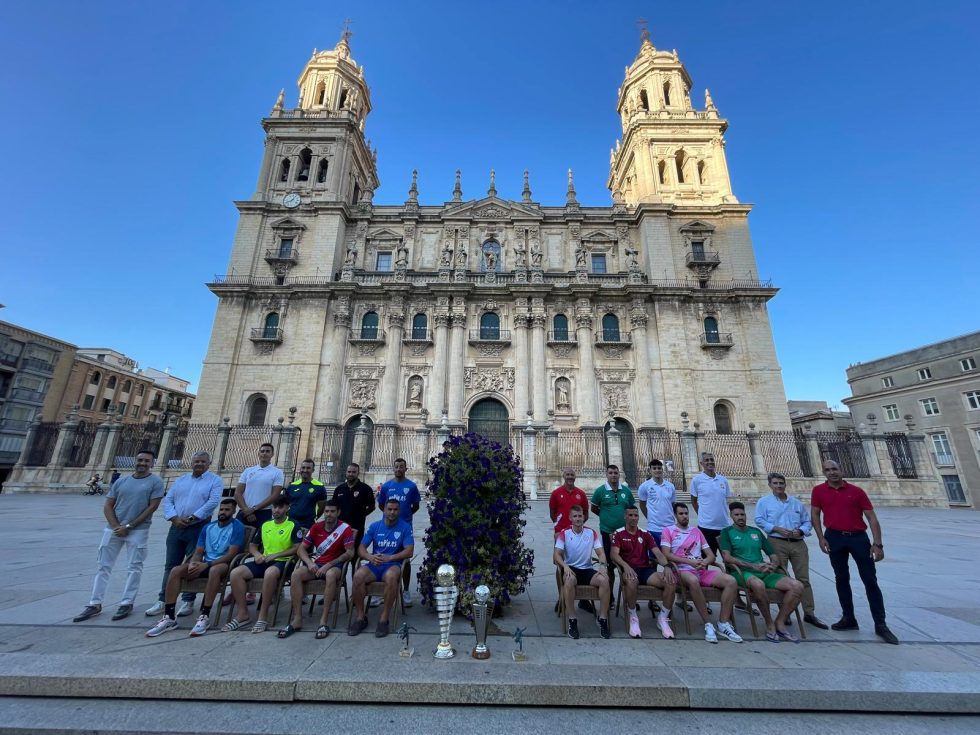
[(475, 506)]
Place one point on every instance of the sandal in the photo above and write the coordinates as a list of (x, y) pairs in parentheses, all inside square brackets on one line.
[(234, 624), (772, 637), (260, 626), (288, 631), (322, 632), (787, 636)]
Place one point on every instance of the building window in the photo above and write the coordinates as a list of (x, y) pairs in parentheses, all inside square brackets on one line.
[(929, 407), (711, 334), (420, 326), (111, 383), (723, 418), (887, 382), (136, 412), (305, 163), (284, 170), (122, 408), (255, 410), (940, 443), (610, 328), (925, 373), (560, 326), (662, 172), (141, 389), (355, 194), (369, 325), (973, 399), (286, 247), (891, 412), (96, 377), (644, 101), (490, 326), (106, 402), (680, 160), (954, 489), (270, 328), (321, 172), (384, 261), (127, 386), (967, 364), (666, 94), (87, 402), (598, 263)]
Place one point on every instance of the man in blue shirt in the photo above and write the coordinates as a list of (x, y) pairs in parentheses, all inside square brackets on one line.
[(217, 545), (306, 496), (407, 494), (392, 544), (786, 522), (188, 506)]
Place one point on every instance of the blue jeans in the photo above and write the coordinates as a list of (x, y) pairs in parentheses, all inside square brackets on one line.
[(858, 546), (180, 543)]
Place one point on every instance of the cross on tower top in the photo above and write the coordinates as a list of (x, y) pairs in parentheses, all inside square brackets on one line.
[(347, 32), (641, 23)]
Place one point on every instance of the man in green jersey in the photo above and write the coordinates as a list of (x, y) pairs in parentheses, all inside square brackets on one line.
[(741, 547), (609, 501)]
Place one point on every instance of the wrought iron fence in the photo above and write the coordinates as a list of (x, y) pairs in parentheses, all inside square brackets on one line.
[(189, 440), (781, 453), (244, 442), (844, 448), (394, 442), (81, 446), (328, 461), (662, 445), (42, 444), (802, 453), (134, 438), (901, 455), (731, 451)]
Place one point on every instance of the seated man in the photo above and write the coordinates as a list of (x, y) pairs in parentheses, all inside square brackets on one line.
[(741, 547), (327, 547), (393, 543), (573, 553), (686, 546), (632, 548), (217, 545), (278, 540)]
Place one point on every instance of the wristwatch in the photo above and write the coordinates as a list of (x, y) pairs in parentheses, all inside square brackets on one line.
[(129, 526), (878, 546)]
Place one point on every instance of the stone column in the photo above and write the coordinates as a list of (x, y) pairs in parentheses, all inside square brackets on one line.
[(813, 451), (755, 449), (644, 389), (530, 468), (98, 447), (924, 467), (884, 458), (166, 445), (656, 376), (456, 350), (113, 436), (437, 392), (25, 449), (335, 355), (870, 454), (392, 377), (66, 437), (614, 446), (689, 451), (287, 446), (263, 181), (521, 363), (551, 451), (360, 442), (221, 445), (587, 388), (541, 384)]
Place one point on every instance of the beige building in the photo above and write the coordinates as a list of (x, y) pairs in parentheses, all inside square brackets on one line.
[(818, 416), (937, 389), (489, 313)]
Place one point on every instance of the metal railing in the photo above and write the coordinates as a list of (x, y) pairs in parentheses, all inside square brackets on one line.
[(943, 460), (612, 337), (731, 451), (486, 334), (290, 255), (266, 334), (716, 339), (562, 337), (417, 335), (784, 452), (705, 258), (33, 363), (367, 334)]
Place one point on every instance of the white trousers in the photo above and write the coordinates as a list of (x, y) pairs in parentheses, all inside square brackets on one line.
[(135, 543)]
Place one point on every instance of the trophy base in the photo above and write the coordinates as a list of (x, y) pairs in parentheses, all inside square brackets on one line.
[(481, 654), (518, 655), (407, 652), (447, 652)]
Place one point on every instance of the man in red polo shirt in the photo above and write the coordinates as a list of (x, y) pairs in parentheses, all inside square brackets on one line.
[(844, 508), (563, 498)]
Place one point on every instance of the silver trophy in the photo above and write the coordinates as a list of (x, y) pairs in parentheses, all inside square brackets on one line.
[(482, 609), (446, 594)]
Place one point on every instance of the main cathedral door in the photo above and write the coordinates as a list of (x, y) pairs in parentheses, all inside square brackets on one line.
[(488, 417)]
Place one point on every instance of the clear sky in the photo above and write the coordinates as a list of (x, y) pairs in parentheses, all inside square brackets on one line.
[(130, 127)]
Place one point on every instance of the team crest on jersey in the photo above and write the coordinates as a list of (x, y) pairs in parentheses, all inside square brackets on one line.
[(310, 491), (398, 534), (755, 537)]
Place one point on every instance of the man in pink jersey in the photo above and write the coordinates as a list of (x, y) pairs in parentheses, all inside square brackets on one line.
[(632, 548), (573, 553), (686, 546)]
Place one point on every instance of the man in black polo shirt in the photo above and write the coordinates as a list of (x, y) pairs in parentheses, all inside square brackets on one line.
[(356, 501)]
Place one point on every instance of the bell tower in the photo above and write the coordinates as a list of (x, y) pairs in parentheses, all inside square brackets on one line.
[(669, 151)]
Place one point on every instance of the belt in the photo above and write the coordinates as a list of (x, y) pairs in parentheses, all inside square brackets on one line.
[(780, 538), (845, 533)]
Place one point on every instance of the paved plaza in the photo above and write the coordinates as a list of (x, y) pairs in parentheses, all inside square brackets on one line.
[(930, 580)]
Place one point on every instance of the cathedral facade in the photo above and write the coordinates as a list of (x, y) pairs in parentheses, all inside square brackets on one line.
[(490, 314)]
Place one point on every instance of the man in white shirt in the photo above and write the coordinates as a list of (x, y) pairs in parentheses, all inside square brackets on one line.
[(657, 497), (257, 487), (573, 553), (709, 496)]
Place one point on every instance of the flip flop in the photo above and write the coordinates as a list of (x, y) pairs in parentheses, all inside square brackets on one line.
[(288, 631), (787, 636), (260, 626), (322, 632), (233, 624), (772, 637)]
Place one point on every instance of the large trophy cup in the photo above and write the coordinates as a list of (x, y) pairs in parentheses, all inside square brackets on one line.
[(482, 609), (446, 594)]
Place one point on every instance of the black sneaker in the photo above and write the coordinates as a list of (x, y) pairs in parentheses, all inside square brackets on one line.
[(123, 611), (815, 622), (357, 626), (90, 611), (603, 628), (587, 606), (846, 624), (885, 634), (573, 628), (382, 629)]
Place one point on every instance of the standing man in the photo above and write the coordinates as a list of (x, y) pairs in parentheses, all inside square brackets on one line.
[(306, 496), (188, 506), (787, 524), (573, 554), (407, 494), (128, 510), (709, 496), (355, 499), (609, 501), (258, 486), (657, 497), (844, 508), (563, 498)]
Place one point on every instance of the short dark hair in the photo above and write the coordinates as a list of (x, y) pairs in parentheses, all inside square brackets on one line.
[(267, 444), (228, 501), (612, 467), (402, 460), (354, 464), (679, 504), (396, 501), (632, 507), (776, 476), (331, 502), (576, 508), (147, 451), (308, 461), (280, 501), (736, 505), (656, 463)]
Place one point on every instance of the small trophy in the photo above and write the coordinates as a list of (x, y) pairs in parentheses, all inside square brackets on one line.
[(446, 594), (403, 631), (481, 621), (518, 653)]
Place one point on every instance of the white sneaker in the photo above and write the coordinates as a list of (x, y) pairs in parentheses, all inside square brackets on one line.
[(634, 624), (165, 624), (728, 631), (155, 609), (709, 633), (201, 626), (406, 599), (374, 601), (185, 609), (664, 622)]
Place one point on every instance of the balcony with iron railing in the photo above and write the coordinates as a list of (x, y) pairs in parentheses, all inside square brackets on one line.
[(27, 394), (702, 257), (489, 334), (282, 255), (367, 335), (711, 340), (418, 336), (8, 359), (941, 459), (562, 337), (266, 335), (40, 366), (15, 425), (613, 337)]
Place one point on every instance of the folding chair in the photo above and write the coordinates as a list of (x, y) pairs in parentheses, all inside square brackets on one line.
[(199, 585)]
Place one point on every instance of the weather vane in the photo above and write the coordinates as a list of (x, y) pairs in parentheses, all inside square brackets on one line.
[(347, 31), (641, 23)]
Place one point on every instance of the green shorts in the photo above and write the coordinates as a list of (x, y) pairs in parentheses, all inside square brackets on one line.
[(769, 579)]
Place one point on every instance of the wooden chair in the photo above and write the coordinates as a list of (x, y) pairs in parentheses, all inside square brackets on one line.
[(199, 585), (318, 587), (644, 592), (774, 597), (376, 589), (582, 592), (254, 585), (712, 595)]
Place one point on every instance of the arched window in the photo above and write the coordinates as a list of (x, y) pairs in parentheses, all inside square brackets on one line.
[(270, 327), (711, 335), (321, 93), (490, 326), (679, 161), (560, 326), (369, 325), (702, 173), (127, 386), (305, 163), (610, 328), (111, 383), (666, 94), (96, 377), (321, 172), (344, 94), (644, 101), (420, 326), (662, 171), (256, 409), (723, 418), (141, 389), (284, 170), (356, 194)]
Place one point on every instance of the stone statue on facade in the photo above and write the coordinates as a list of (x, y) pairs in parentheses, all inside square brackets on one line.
[(491, 260), (402, 261), (580, 255), (536, 254), (351, 256), (415, 393), (447, 256), (461, 257), (561, 398)]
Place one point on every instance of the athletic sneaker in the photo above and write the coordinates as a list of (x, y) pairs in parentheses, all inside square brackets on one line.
[(573, 628), (166, 623), (155, 609), (728, 631), (709, 633), (406, 599), (603, 628), (201, 626), (634, 624), (374, 601), (664, 622), (185, 609)]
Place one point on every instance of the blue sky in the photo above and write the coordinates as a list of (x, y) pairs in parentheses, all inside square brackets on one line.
[(130, 128)]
